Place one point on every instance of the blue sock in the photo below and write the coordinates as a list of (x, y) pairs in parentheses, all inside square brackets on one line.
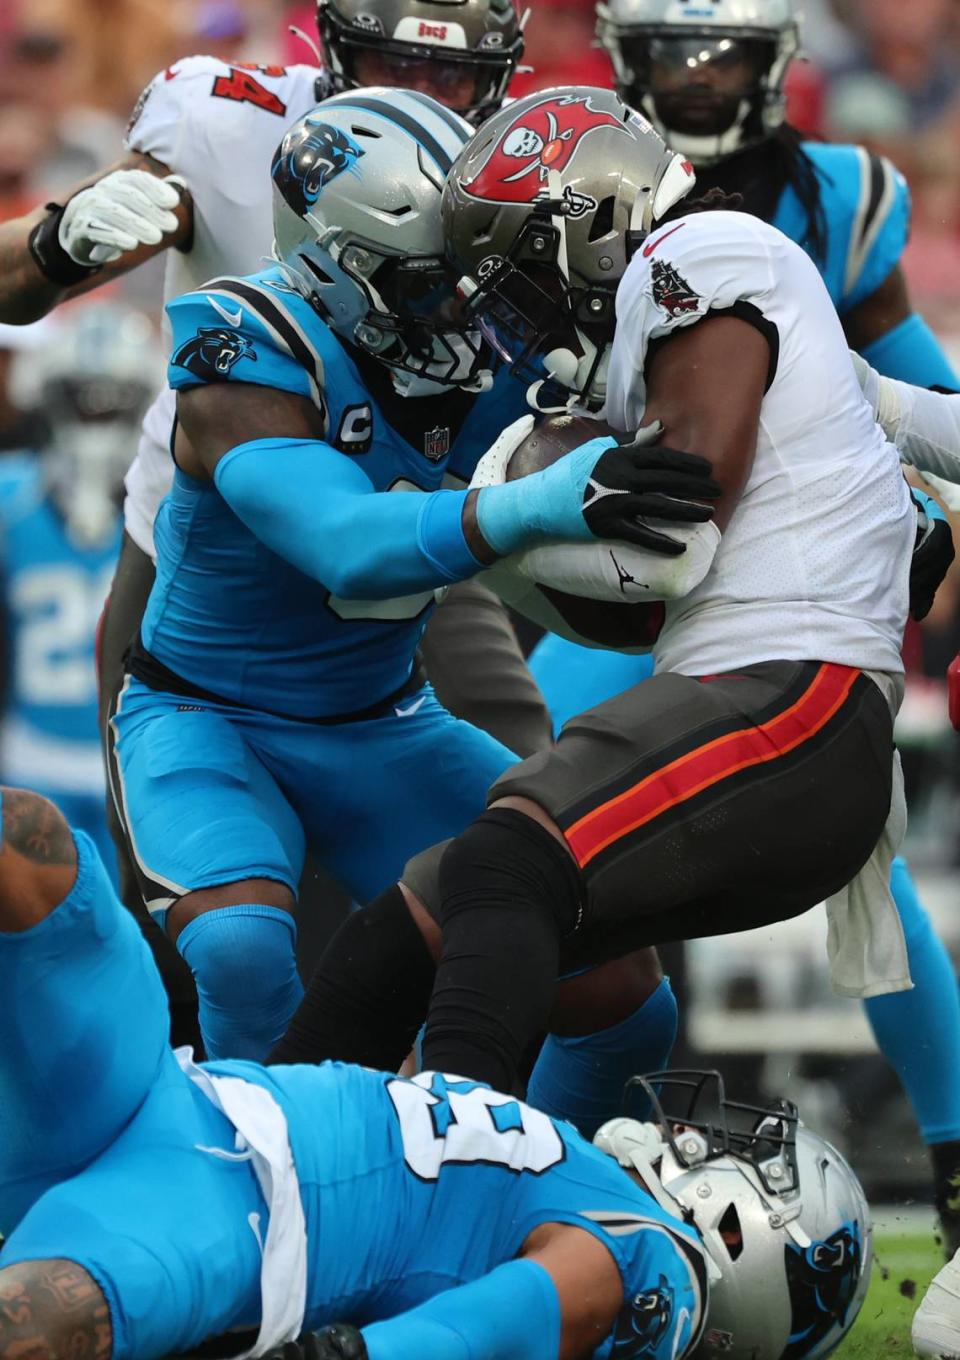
[(243, 961), (512, 1311), (919, 1031), (582, 1079)]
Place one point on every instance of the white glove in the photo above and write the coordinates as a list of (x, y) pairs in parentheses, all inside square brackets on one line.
[(881, 394), (122, 211), (492, 467)]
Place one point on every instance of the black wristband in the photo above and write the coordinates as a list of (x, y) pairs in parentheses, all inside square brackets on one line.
[(49, 255)]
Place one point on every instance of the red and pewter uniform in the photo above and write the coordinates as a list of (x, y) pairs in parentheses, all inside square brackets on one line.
[(751, 777)]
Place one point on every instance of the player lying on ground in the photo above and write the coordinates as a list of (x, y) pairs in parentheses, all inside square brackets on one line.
[(149, 1203), (273, 697)]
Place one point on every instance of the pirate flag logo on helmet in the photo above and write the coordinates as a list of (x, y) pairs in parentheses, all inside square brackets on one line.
[(543, 138)]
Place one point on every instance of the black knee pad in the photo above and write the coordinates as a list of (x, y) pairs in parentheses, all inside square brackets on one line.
[(507, 859), (369, 992)]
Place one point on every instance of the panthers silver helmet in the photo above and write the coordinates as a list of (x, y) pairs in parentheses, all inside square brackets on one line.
[(463, 52), (93, 379), (781, 1214), (541, 214), (357, 186), (709, 76)]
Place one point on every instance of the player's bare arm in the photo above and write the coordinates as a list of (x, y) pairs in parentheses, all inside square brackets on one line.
[(706, 385), (38, 860), (587, 1281), (879, 313), (27, 293), (213, 420), (52, 1310)]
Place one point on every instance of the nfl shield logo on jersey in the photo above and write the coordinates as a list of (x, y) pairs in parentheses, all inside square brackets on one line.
[(436, 443)]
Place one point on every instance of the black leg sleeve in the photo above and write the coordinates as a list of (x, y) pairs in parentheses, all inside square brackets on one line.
[(510, 892), (368, 995)]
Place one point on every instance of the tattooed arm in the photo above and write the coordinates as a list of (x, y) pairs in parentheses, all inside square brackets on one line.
[(52, 1310), (38, 860), (27, 294)]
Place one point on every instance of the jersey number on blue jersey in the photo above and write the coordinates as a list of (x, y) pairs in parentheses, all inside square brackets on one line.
[(446, 1120), (56, 609)]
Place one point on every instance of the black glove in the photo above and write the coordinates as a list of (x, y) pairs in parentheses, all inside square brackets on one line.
[(634, 482), (338, 1341), (932, 557)]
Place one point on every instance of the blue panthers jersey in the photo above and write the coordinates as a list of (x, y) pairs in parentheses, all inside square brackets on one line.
[(423, 1154), (53, 595), (866, 205), (229, 615)]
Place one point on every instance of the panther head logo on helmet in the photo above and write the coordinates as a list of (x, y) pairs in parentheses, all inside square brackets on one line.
[(311, 154), (213, 352), (822, 1280)]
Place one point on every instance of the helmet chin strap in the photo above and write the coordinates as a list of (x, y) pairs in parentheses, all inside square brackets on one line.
[(310, 42), (700, 150)]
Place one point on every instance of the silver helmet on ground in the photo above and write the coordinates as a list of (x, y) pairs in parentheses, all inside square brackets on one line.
[(709, 76), (462, 52), (93, 377), (357, 186), (541, 214), (782, 1216)]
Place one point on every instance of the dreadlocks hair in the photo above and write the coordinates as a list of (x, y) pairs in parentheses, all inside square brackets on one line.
[(714, 200), (799, 172)]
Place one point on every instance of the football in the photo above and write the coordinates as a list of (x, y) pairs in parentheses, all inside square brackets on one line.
[(618, 624)]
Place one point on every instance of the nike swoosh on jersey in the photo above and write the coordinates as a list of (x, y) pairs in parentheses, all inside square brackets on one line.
[(407, 712), (231, 318), (649, 249)]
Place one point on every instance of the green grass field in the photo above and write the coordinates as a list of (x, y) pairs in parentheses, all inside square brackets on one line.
[(904, 1265)]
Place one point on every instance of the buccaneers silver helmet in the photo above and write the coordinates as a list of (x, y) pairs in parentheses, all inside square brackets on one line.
[(709, 76), (462, 52), (357, 187), (93, 378), (782, 1216), (541, 214)]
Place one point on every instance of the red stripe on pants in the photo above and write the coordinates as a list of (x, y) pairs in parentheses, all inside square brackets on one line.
[(690, 774)]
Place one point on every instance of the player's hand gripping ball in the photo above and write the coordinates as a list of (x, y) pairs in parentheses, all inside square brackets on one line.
[(599, 593)]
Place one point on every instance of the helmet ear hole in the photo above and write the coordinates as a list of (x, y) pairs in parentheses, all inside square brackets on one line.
[(731, 1233), (602, 224), (319, 274)]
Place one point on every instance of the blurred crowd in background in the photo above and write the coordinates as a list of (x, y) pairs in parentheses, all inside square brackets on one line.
[(883, 73)]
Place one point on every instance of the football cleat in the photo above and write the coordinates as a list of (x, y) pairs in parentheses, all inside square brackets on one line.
[(936, 1323)]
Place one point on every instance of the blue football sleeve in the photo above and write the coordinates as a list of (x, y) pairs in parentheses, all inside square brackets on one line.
[(319, 511), (912, 353), (515, 1310), (216, 339)]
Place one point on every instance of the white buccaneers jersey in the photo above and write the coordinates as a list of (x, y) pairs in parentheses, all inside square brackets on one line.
[(815, 561), (217, 125)]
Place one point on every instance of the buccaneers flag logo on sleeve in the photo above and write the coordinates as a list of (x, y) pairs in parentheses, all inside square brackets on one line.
[(544, 137)]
